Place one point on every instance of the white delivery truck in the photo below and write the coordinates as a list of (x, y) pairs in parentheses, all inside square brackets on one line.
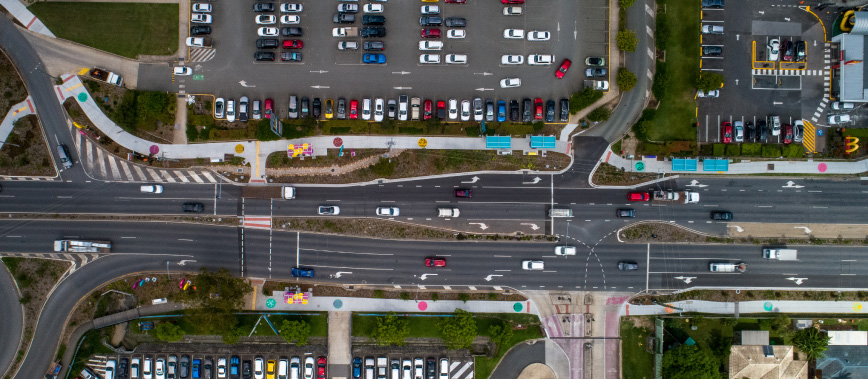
[(780, 254), (727, 267)]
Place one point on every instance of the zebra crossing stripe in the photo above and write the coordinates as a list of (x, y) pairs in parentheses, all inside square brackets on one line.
[(195, 177), (496, 288), (154, 176), (114, 167), (141, 173), (183, 178), (167, 176), (209, 177), (472, 288), (100, 160), (463, 368), (87, 152), (125, 169), (447, 288)]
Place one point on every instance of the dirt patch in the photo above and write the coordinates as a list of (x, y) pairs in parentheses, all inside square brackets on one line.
[(35, 279), (25, 152), (751, 295), (659, 232), (609, 175), (537, 371), (414, 163), (12, 88), (404, 294), (211, 220), (385, 229), (279, 159)]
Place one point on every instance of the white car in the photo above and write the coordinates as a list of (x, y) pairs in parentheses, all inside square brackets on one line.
[(348, 8), (537, 35), (230, 110), (775, 125), (221, 368), (266, 19), (565, 250), (444, 368), (291, 8), (510, 83), (456, 33), (540, 59), (219, 107), (268, 32), (308, 368), (373, 8), (430, 9), (259, 368), (532, 265), (465, 110), (429, 58), (456, 59), (453, 109), (366, 109), (513, 33), (842, 106), (388, 211), (151, 188), (430, 45), (202, 7), (195, 41), (512, 59), (837, 119), (774, 49), (419, 366), (183, 71), (712, 93), (379, 108), (348, 45), (110, 368), (290, 19), (160, 369), (200, 18), (407, 369), (512, 11)]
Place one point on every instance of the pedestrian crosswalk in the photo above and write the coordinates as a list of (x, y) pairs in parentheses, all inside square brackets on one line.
[(758, 71), (202, 54)]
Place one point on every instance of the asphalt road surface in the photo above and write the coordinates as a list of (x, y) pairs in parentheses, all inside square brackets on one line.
[(13, 320)]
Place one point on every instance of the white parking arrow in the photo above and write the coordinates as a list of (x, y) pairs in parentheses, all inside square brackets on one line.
[(695, 183), (472, 180), (532, 226), (183, 262), (339, 273), (798, 281), (481, 225), (425, 276), (535, 181), (686, 279), (807, 230), (792, 184), (488, 278)]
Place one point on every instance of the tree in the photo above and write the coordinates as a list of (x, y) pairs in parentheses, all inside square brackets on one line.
[(214, 301), (689, 362), (584, 99), (295, 331), (627, 40), (169, 332), (708, 81), (500, 334), (811, 342), (599, 114), (391, 330), (626, 3), (626, 80), (459, 331), (781, 323)]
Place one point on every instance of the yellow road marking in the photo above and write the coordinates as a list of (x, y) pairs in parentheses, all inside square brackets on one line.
[(83, 71), (257, 156), (73, 87)]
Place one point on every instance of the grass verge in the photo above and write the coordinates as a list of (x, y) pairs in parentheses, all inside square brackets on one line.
[(126, 29), (635, 358)]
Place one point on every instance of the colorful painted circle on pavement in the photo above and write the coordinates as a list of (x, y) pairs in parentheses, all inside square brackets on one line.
[(822, 167), (239, 148), (669, 308), (423, 142), (270, 303), (338, 141), (857, 307), (517, 307), (337, 303), (423, 305), (154, 149), (768, 306), (640, 166), (82, 97)]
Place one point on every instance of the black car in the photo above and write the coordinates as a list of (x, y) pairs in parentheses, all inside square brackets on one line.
[(290, 57), (712, 51), (489, 110), (431, 368), (750, 135), (341, 112), (263, 7), (565, 110), (373, 20), (373, 31), (317, 107), (123, 368), (200, 30), (194, 207), (712, 3), (246, 372), (267, 43), (513, 110), (374, 46), (262, 56), (550, 111), (762, 131), (430, 20), (292, 32), (721, 215), (305, 107), (800, 51), (527, 114), (344, 18), (625, 212), (456, 22), (627, 266)]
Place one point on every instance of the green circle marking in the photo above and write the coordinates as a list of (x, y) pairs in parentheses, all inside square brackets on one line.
[(270, 303), (517, 307), (640, 166), (82, 97), (768, 306)]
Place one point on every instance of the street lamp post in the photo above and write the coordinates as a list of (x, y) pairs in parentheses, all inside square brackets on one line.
[(168, 276)]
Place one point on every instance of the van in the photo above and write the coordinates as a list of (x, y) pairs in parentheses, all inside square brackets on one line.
[(560, 212), (152, 189), (63, 154), (283, 369), (448, 212), (110, 367), (289, 193), (135, 368), (146, 368)]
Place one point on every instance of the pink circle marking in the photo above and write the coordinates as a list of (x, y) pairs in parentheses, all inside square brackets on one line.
[(423, 305), (822, 167)]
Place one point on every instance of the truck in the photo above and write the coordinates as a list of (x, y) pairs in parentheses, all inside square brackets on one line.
[(727, 267), (780, 254), (107, 76), (686, 197), (268, 192), (382, 366), (82, 246), (347, 31), (599, 85)]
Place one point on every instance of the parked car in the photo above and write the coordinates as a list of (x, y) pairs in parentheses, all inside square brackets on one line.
[(738, 131), (788, 134), (774, 49), (798, 131), (565, 110), (712, 51), (726, 132), (838, 119), (788, 50)]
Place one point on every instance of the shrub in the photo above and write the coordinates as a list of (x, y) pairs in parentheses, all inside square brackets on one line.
[(626, 80), (718, 150), (627, 40), (793, 151), (771, 151), (584, 99), (661, 81), (708, 81), (661, 32), (384, 168), (626, 3), (192, 132), (751, 149), (733, 150), (599, 114)]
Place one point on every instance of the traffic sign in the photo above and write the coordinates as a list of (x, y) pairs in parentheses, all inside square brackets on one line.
[(640, 166)]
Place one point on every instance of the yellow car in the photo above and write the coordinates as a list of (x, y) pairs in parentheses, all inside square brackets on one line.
[(430, 1), (270, 368), (329, 108)]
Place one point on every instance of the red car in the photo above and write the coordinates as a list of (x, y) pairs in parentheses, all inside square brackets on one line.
[(441, 110), (463, 192), (320, 368), (269, 108), (427, 111), (726, 132), (430, 33), (293, 44), (788, 134), (638, 196), (512, 1), (354, 109), (435, 262), (539, 108), (563, 69)]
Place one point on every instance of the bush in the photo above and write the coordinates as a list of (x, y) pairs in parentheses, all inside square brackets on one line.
[(718, 150), (192, 132), (384, 168), (661, 33), (584, 99), (626, 3), (751, 149), (599, 114), (733, 150), (661, 81), (641, 129), (771, 151), (709, 81), (626, 80), (263, 131), (627, 40), (793, 151)]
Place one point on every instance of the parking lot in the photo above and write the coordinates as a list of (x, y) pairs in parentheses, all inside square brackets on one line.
[(756, 86), (578, 30)]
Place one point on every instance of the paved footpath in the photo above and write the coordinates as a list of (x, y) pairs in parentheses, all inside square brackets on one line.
[(742, 307), (17, 111), (25, 17)]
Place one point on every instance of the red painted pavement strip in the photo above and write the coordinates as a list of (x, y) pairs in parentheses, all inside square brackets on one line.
[(608, 155), (68, 78), (613, 359), (31, 22), (59, 93), (30, 105)]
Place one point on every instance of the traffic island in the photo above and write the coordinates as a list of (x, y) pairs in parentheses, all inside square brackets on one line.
[(748, 233)]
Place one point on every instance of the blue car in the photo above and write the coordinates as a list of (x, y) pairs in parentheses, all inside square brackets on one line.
[(357, 368), (298, 272), (196, 363), (374, 58), (234, 370), (501, 111)]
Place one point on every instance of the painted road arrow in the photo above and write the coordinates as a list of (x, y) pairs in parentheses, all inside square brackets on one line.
[(488, 278), (472, 180), (339, 273)]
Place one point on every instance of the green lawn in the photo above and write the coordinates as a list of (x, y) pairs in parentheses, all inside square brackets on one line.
[(677, 112), (318, 324), (126, 29), (636, 361)]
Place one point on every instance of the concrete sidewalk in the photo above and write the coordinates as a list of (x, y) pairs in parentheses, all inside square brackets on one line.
[(743, 307), (25, 17), (17, 111)]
